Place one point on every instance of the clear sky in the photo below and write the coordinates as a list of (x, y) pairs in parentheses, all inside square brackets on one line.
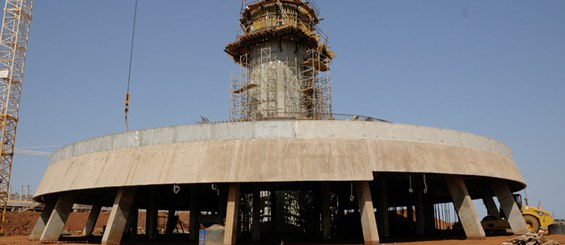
[(494, 68)]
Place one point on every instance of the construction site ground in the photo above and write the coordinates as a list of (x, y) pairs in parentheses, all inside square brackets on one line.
[(19, 225)]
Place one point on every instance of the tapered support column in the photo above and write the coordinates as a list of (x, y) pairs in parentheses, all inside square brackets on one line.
[(326, 213), (382, 208), (509, 207), (194, 225), (119, 216), (42, 220), (256, 232), (57, 219), (152, 216), (231, 215), (171, 222), (490, 205), (133, 219), (420, 217), (92, 218), (465, 208), (368, 221)]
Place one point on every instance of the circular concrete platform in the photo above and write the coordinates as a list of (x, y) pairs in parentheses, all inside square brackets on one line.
[(274, 151)]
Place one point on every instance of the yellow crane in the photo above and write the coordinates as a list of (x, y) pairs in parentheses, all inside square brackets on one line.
[(14, 38)]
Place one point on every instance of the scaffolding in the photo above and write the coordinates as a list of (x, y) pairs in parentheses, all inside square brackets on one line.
[(293, 82), (14, 38)]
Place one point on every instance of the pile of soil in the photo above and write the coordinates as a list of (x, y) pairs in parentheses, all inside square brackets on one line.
[(21, 224)]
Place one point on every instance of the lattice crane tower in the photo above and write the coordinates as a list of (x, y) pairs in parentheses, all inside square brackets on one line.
[(285, 63), (13, 49)]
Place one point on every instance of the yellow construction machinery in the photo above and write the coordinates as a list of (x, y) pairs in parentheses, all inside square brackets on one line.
[(536, 218)]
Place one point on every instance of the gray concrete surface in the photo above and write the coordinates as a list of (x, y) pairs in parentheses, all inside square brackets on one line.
[(118, 217), (58, 218), (232, 211), (42, 221), (366, 207), (92, 218), (273, 151), (465, 209), (509, 207)]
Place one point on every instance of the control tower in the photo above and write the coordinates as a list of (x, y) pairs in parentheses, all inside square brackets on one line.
[(285, 63)]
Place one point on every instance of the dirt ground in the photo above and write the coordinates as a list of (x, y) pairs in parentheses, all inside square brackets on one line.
[(22, 240), (19, 225)]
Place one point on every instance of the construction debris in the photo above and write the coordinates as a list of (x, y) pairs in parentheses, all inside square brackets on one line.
[(531, 239)]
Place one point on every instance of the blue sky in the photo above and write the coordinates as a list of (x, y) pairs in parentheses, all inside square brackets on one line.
[(495, 68)]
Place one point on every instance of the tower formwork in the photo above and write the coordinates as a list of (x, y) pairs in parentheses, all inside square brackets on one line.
[(285, 63)]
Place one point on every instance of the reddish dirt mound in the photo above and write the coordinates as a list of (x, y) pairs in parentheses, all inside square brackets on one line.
[(18, 224), (21, 224)]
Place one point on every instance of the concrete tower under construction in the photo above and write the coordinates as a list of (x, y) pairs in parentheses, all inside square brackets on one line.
[(284, 167), (285, 63)]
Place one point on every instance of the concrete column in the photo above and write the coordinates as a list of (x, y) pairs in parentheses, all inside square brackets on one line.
[(232, 210), (256, 226), (92, 218), (133, 221), (119, 216), (490, 205), (326, 219), (152, 216), (58, 218), (368, 221), (42, 220), (382, 208), (429, 214), (194, 225), (465, 208), (508, 205), (420, 220), (171, 221), (410, 217)]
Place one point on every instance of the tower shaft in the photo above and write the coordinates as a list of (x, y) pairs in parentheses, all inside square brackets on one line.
[(285, 63)]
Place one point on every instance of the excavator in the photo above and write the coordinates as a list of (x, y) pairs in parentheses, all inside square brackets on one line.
[(536, 218)]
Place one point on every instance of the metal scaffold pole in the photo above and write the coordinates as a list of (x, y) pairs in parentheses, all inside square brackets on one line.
[(13, 50)]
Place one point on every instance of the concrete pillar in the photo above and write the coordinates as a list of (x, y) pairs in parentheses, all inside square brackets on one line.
[(429, 214), (132, 222), (152, 216), (58, 218), (410, 217), (368, 221), (382, 208), (490, 205), (42, 220), (465, 208), (326, 213), (232, 210), (194, 225), (509, 207), (256, 226), (420, 220), (171, 221), (92, 218), (119, 216)]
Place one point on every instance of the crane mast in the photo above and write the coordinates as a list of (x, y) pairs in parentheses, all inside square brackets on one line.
[(14, 38)]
